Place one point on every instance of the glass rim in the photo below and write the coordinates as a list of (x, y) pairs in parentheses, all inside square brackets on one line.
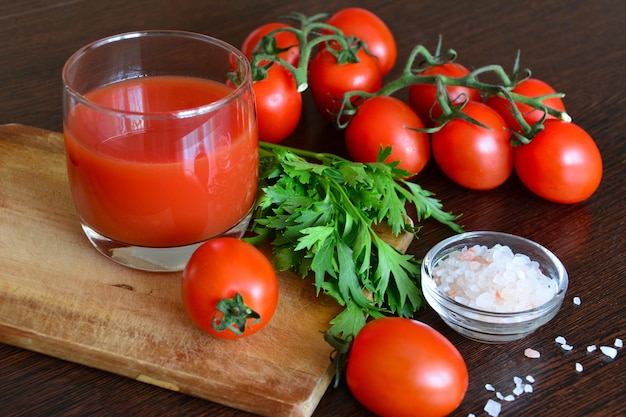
[(238, 90)]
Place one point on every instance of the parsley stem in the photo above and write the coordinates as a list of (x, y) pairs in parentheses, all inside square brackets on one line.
[(266, 148)]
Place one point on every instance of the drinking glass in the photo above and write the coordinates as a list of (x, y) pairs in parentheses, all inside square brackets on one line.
[(161, 144)]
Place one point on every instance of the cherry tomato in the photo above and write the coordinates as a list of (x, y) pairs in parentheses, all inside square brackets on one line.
[(423, 97), (329, 80), (471, 155), (400, 367), (384, 121), (233, 272), (365, 25), (284, 39), (530, 87), (562, 163), (278, 104)]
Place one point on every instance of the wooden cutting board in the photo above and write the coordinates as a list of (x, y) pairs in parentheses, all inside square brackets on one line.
[(60, 297)]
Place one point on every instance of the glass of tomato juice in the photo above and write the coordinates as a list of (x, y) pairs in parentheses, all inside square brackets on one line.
[(161, 144)]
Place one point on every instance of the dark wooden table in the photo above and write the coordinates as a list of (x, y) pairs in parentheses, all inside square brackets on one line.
[(577, 46)]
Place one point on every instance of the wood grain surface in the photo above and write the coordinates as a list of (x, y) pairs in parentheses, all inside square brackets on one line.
[(577, 46)]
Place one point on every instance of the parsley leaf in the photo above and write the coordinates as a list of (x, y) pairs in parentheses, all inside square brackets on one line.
[(319, 212)]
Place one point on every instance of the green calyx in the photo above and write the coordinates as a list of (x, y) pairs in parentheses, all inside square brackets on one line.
[(234, 315), (311, 32)]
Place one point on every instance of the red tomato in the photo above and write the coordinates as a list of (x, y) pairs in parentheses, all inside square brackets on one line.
[(329, 81), (423, 97), (365, 25), (383, 121), (562, 163), (400, 367), (530, 87), (471, 155), (283, 40), (219, 270), (278, 104)]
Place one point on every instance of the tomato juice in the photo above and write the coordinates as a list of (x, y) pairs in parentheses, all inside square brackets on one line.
[(146, 171)]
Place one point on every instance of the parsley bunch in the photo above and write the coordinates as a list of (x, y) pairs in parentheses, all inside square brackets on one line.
[(319, 211)]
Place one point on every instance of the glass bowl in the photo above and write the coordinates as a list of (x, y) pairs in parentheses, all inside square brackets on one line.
[(487, 325)]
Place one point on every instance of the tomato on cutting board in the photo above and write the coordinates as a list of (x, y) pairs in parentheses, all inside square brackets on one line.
[(229, 288)]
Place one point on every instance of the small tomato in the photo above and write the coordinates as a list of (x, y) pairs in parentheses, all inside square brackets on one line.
[(384, 121), (330, 80), (284, 40), (368, 27), (530, 87), (423, 97), (229, 288), (562, 163), (398, 367), (473, 156), (278, 104)]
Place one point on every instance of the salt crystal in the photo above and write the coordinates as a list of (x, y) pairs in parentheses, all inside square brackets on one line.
[(591, 348), (528, 388), (471, 415), (493, 408), (517, 380), (532, 353), (509, 398), (579, 367), (609, 351), (577, 301), (499, 395), (518, 390), (560, 340), (530, 379), (618, 343), (489, 387), (565, 346)]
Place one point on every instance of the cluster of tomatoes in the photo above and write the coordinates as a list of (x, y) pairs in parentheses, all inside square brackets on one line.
[(480, 151), (479, 147)]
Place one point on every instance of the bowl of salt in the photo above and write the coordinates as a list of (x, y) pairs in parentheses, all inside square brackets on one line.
[(493, 287)]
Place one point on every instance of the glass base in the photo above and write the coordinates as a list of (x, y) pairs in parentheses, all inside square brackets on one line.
[(153, 259)]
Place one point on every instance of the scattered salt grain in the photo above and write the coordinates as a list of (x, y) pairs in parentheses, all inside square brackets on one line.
[(528, 388), (591, 348), (471, 415), (609, 351), (579, 367), (576, 301), (489, 387), (618, 343), (493, 279), (563, 342), (532, 353), (509, 398), (493, 408), (500, 395), (530, 379)]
